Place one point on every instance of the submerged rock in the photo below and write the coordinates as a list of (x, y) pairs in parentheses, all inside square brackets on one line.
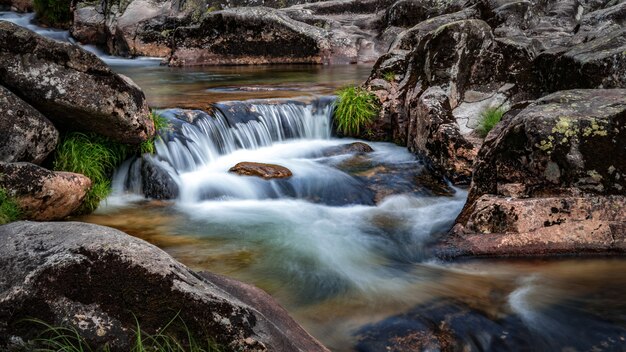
[(101, 282), (550, 180), (72, 87), (352, 148), (156, 181), (25, 134), (265, 171), (41, 194)]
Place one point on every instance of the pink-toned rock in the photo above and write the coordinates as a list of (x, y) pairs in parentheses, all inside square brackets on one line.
[(265, 171), (43, 195)]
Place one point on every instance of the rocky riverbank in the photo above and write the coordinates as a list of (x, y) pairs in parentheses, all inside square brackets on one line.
[(547, 179)]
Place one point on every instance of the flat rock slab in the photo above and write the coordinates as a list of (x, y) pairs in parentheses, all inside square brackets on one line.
[(101, 281), (265, 171)]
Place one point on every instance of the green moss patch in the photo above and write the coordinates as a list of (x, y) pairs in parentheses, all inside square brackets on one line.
[(488, 120), (53, 12)]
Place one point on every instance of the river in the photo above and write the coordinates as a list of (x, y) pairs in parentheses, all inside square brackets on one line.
[(341, 244)]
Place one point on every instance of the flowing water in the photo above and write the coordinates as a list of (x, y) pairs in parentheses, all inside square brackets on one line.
[(343, 243)]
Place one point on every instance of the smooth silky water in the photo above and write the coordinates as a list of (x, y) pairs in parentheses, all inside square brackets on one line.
[(342, 244)]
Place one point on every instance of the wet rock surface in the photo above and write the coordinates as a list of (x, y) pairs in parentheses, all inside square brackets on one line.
[(41, 194), (455, 326), (264, 171), (156, 181), (72, 87), (100, 280), (25, 133)]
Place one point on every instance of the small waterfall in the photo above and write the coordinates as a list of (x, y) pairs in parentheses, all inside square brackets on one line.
[(199, 148)]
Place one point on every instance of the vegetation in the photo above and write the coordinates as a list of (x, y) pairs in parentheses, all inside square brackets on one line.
[(9, 210), (68, 339), (355, 108), (389, 76), (160, 123), (93, 156), (488, 119), (53, 12)]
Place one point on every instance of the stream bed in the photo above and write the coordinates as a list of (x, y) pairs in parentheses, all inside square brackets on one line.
[(342, 244)]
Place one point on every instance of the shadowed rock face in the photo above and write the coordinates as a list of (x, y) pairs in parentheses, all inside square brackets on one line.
[(265, 171), (550, 180), (95, 278), (43, 195), (72, 87), (18, 5), (25, 133)]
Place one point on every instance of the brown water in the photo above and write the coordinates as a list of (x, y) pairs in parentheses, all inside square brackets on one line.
[(339, 268), (196, 88)]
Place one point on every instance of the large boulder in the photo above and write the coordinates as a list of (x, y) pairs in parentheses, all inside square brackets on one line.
[(550, 180), (18, 5), (41, 194), (265, 171), (101, 282), (72, 87), (25, 134)]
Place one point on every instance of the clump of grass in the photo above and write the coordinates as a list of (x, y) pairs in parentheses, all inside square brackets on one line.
[(53, 12), (389, 76), (9, 210), (68, 339), (160, 124), (488, 119), (355, 107), (93, 156)]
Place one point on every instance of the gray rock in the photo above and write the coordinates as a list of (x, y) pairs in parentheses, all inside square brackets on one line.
[(156, 181), (95, 278), (43, 195), (25, 134), (72, 87)]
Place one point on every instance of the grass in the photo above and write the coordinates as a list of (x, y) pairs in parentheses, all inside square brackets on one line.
[(9, 210), (68, 339), (160, 123), (93, 156), (488, 119), (53, 12), (355, 108), (389, 76)]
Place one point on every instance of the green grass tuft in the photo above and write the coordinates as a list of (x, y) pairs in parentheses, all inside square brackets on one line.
[(160, 124), (93, 156), (355, 107), (68, 339), (9, 210), (53, 12), (488, 119), (389, 76)]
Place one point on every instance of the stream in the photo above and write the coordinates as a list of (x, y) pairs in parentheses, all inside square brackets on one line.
[(342, 244)]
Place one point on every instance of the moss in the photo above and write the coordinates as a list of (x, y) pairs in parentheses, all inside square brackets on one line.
[(389, 76), (355, 108), (9, 210), (489, 118), (53, 12), (93, 156)]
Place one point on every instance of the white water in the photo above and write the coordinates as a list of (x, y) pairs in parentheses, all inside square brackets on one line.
[(27, 20)]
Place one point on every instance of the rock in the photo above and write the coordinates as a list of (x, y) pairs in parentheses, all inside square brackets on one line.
[(72, 87), (157, 182), (505, 227), (451, 325), (352, 148), (265, 171), (101, 282), (25, 133), (43, 195), (550, 180), (434, 133), (18, 5)]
